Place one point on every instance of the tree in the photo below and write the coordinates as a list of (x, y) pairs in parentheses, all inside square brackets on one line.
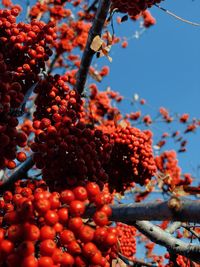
[(68, 156)]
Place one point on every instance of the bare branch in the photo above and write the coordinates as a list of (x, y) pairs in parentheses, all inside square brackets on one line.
[(17, 175), (189, 211), (88, 53), (173, 245), (136, 262), (187, 227), (173, 227)]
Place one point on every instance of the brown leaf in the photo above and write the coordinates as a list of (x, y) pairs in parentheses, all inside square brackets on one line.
[(179, 191), (118, 263), (96, 43), (96, 76)]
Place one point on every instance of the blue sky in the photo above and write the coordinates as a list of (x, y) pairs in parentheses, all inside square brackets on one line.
[(162, 66)]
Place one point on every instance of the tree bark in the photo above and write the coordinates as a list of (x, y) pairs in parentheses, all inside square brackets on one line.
[(173, 245), (189, 211), (88, 53)]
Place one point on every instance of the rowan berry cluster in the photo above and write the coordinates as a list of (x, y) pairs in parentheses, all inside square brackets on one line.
[(133, 8), (167, 164), (132, 157), (148, 19), (127, 240), (23, 52), (39, 228), (68, 149)]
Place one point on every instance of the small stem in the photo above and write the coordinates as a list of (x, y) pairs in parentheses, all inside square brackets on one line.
[(92, 6), (177, 17), (53, 63), (173, 227), (191, 230)]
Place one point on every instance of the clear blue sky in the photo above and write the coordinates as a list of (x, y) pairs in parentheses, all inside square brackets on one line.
[(163, 66)]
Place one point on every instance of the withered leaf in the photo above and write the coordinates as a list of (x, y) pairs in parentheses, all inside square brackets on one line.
[(96, 43)]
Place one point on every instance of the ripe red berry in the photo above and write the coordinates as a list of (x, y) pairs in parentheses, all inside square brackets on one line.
[(76, 208)]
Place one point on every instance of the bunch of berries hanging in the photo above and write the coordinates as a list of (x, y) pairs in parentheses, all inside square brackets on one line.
[(39, 228), (23, 51), (133, 7)]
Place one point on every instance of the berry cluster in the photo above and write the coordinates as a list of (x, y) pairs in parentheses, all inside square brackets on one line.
[(23, 52), (132, 158), (167, 164), (127, 240), (133, 8), (72, 35), (148, 19), (65, 148), (40, 229), (68, 148)]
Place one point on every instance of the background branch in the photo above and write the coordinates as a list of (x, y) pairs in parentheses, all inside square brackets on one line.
[(189, 211), (174, 245)]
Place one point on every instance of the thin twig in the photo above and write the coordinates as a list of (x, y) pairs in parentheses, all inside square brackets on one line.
[(88, 53), (177, 17), (53, 63), (92, 6), (136, 262), (173, 227), (191, 230)]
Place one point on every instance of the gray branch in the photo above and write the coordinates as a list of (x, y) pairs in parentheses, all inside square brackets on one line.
[(88, 53), (173, 245), (189, 211)]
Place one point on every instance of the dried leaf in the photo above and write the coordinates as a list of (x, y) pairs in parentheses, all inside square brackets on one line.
[(150, 186), (96, 43), (106, 49), (118, 263), (105, 52), (96, 76), (123, 124), (179, 191), (109, 58)]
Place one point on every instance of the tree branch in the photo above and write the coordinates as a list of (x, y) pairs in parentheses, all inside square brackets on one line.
[(173, 227), (189, 211), (174, 245), (17, 175), (136, 262), (88, 53)]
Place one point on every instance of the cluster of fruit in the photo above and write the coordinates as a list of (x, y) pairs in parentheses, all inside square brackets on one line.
[(23, 52), (134, 7), (39, 228), (127, 240), (67, 147)]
